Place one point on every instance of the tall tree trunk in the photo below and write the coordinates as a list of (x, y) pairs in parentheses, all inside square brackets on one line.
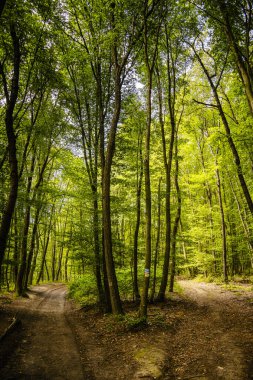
[(177, 219), (23, 263), (66, 278), (53, 258), (101, 296), (157, 245), (144, 298), (60, 258), (32, 245), (209, 196), (16, 249), (138, 217), (107, 298), (168, 162), (59, 266), (150, 60), (45, 247), (11, 99), (106, 202), (34, 260), (223, 226), (43, 259)]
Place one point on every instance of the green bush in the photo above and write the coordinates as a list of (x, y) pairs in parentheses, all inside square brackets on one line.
[(84, 290), (125, 283)]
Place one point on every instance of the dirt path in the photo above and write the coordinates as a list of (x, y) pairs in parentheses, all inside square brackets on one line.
[(47, 348), (206, 333), (215, 337)]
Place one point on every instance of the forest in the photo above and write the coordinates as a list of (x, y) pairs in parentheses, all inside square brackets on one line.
[(126, 145)]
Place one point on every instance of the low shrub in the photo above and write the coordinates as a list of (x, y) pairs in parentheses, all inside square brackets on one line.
[(84, 290)]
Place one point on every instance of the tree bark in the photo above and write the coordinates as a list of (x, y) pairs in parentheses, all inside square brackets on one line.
[(223, 226), (177, 219), (11, 100), (23, 262), (44, 252), (106, 203), (168, 165), (150, 60), (144, 298), (157, 245), (32, 245), (138, 217)]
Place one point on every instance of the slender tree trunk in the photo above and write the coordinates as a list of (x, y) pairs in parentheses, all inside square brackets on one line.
[(23, 263), (32, 245), (16, 249), (47, 271), (59, 267), (168, 163), (150, 61), (100, 289), (45, 247), (144, 298), (177, 220), (209, 198), (157, 245), (34, 260), (138, 217), (66, 278), (53, 259), (6, 280), (60, 258), (43, 259), (223, 226)]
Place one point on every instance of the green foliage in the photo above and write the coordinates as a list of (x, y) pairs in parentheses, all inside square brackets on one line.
[(135, 323), (209, 278), (83, 290)]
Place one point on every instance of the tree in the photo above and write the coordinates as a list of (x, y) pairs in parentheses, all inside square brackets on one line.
[(174, 76), (235, 20), (11, 96), (150, 56)]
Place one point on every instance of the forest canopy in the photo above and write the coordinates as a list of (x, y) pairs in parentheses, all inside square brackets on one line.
[(126, 145)]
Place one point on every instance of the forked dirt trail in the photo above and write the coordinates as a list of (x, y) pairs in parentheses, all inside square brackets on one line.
[(206, 333), (47, 349), (215, 337)]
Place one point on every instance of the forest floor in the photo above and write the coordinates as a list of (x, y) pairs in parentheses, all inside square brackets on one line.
[(205, 332)]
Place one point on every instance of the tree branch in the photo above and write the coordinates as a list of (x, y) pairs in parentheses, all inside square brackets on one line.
[(206, 104)]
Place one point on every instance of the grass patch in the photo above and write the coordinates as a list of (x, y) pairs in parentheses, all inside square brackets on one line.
[(124, 322), (233, 287), (209, 279), (178, 288)]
